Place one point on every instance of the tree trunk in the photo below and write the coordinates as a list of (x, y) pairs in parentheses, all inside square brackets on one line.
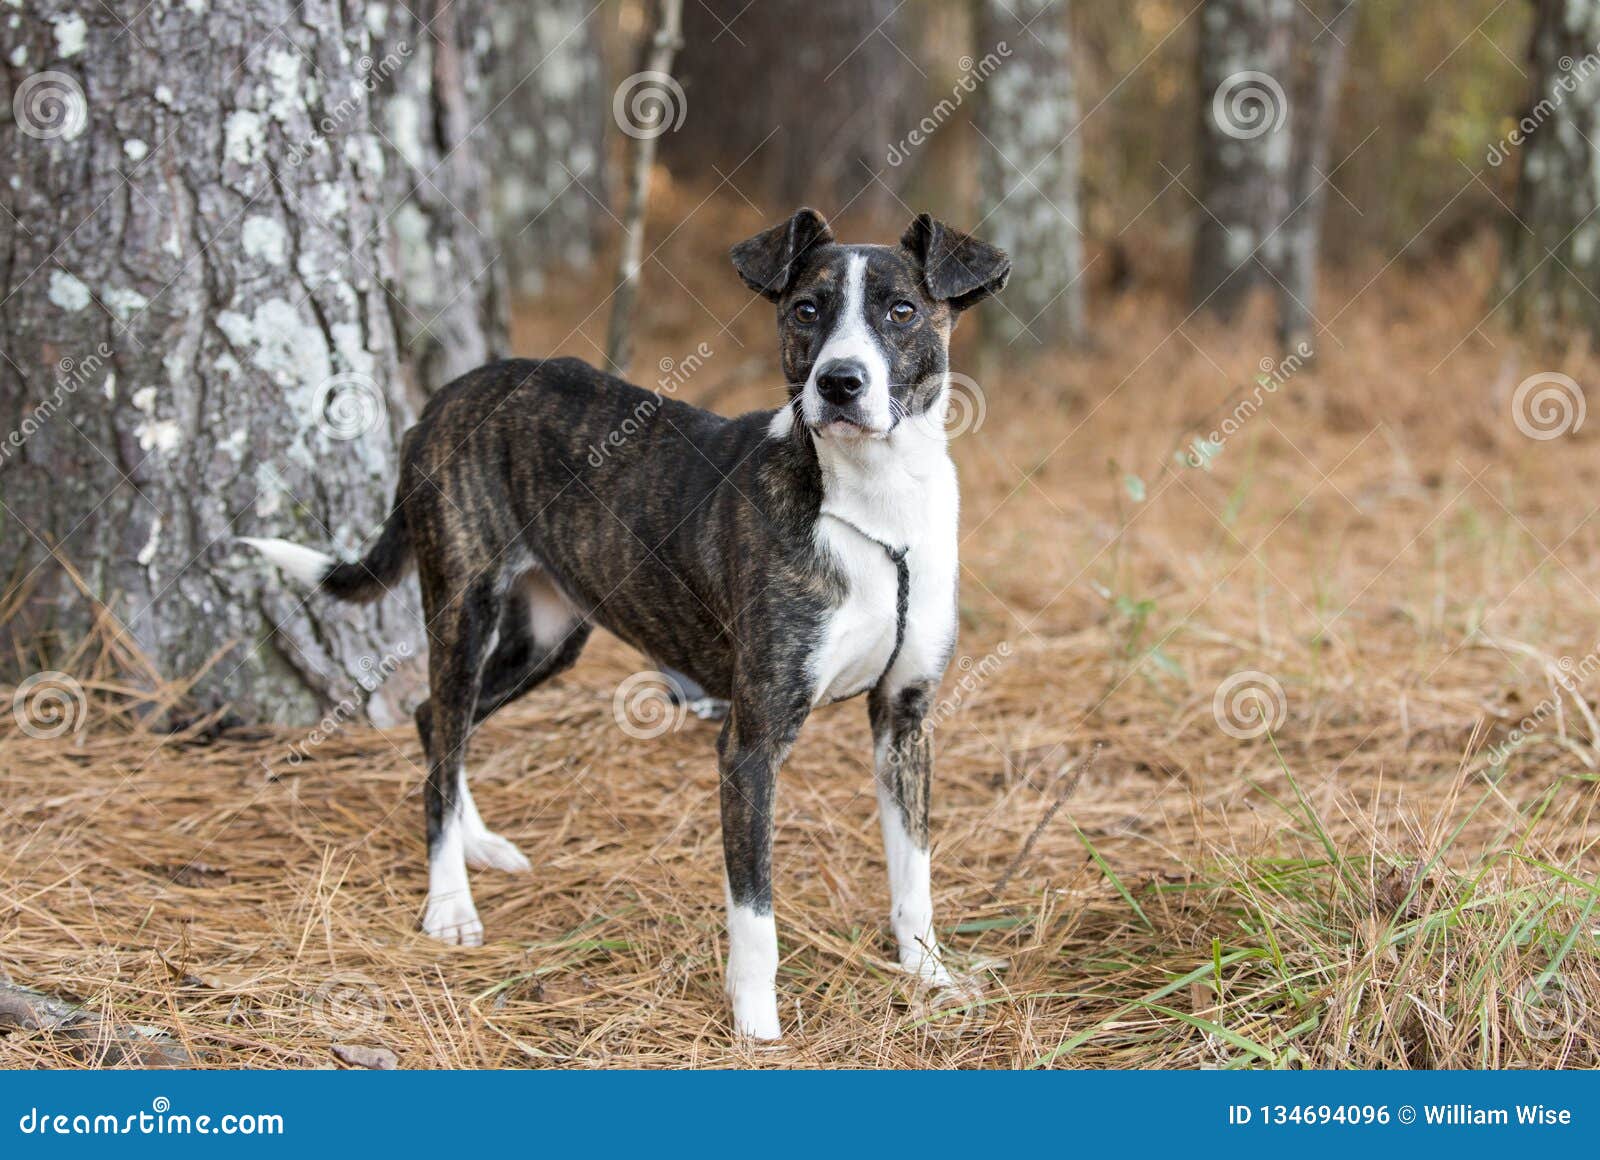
[(1026, 116), (1553, 266), (1325, 30), (430, 110), (547, 87), (793, 101), (199, 344), (1244, 147)]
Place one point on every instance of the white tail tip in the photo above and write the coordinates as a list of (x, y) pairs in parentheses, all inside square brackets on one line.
[(303, 564)]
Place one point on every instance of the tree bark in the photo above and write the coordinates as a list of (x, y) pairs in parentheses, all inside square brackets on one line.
[(1326, 27), (1553, 264), (1244, 149), (1026, 116), (199, 343), (431, 116), (547, 89), (794, 101)]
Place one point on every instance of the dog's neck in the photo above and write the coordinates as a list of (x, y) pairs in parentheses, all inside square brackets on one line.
[(884, 487)]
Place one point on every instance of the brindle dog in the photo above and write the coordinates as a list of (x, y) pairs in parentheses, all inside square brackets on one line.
[(782, 559)]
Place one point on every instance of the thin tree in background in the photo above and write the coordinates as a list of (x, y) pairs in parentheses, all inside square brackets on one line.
[(1026, 117), (1326, 27), (550, 107), (651, 105), (203, 337), (1553, 264), (1244, 149)]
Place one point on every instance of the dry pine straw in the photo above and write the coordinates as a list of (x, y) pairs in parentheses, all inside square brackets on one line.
[(1361, 888)]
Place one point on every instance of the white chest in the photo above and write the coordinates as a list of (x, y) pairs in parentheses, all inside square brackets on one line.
[(902, 500)]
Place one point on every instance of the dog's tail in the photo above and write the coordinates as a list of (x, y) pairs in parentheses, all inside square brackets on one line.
[(366, 579)]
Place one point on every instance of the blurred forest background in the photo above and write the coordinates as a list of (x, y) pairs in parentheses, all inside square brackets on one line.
[(276, 228), (1277, 495)]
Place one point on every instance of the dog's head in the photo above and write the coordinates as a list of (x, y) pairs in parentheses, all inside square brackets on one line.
[(864, 331)]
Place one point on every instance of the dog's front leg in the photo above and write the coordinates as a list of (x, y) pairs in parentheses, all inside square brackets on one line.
[(751, 747), (903, 765)]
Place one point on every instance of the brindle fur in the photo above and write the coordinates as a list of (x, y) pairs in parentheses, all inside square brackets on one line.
[(692, 538)]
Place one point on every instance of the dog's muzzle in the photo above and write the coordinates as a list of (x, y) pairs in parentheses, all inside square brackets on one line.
[(841, 393)]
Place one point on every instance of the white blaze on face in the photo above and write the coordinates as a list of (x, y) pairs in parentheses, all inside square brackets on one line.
[(854, 339)]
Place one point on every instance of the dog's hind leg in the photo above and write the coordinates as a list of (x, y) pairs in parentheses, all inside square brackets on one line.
[(462, 629), (903, 753), (540, 636)]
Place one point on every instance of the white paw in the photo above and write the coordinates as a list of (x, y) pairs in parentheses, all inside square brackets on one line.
[(924, 964), (489, 851), (453, 920), (755, 1013)]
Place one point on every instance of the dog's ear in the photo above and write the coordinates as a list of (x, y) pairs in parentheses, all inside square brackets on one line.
[(768, 261), (956, 268)]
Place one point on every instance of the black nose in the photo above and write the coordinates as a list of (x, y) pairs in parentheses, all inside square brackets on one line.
[(841, 381)]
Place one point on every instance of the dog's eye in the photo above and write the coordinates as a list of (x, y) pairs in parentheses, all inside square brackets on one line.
[(902, 313), (805, 312)]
